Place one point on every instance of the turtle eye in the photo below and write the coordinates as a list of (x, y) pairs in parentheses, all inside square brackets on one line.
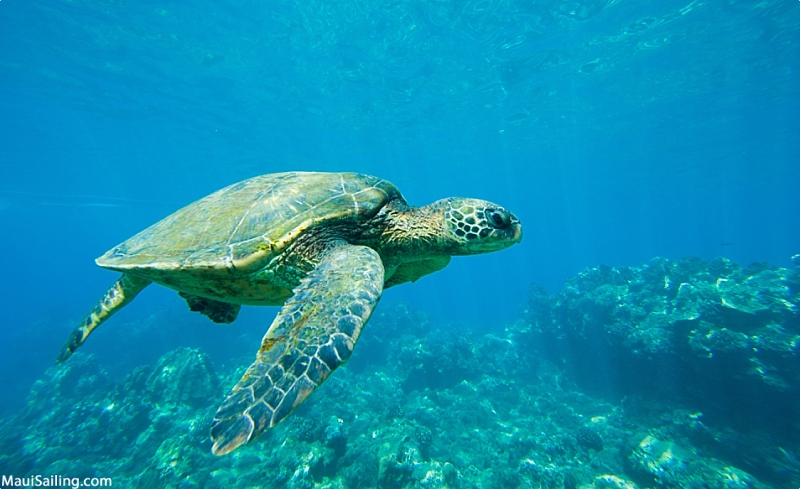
[(498, 218)]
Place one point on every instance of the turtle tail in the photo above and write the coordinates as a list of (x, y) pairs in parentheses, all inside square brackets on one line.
[(118, 296)]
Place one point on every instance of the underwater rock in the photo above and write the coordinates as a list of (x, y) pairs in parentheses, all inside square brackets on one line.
[(721, 335), (395, 471), (610, 481), (305, 429), (541, 474), (335, 438), (661, 462), (135, 382), (78, 418), (436, 363), (450, 475), (497, 415), (588, 438), (176, 459), (70, 409), (433, 480), (757, 453), (74, 380), (539, 304), (399, 324), (361, 469), (185, 376), (435, 475), (643, 307), (301, 478), (503, 477), (666, 464), (713, 335)]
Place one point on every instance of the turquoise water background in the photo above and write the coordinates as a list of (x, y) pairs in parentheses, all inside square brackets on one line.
[(616, 130)]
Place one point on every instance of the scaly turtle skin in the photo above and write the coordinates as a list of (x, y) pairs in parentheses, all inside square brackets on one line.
[(325, 245)]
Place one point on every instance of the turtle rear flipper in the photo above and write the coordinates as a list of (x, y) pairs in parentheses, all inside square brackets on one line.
[(217, 311), (118, 296), (313, 334)]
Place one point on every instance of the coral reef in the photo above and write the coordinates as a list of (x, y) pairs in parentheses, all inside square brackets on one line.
[(714, 319), (588, 438), (424, 407), (395, 411), (722, 338), (424, 438)]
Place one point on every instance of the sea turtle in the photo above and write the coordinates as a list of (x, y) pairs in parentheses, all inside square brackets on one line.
[(325, 245)]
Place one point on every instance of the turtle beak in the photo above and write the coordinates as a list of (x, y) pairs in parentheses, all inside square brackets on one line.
[(514, 235), (517, 233)]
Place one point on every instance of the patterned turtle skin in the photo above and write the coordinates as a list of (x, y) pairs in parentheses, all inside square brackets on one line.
[(323, 245)]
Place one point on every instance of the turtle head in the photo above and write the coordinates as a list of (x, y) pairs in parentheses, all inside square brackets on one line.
[(477, 226)]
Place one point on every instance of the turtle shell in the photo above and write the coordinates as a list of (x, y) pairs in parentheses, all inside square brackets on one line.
[(237, 229)]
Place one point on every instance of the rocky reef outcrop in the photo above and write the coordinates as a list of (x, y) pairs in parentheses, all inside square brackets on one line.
[(550, 402), (722, 338), (77, 421)]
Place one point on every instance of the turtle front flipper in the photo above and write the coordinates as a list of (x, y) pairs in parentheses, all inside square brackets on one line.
[(217, 311), (313, 334), (118, 296)]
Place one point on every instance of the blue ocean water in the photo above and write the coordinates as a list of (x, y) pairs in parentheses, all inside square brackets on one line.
[(617, 132)]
